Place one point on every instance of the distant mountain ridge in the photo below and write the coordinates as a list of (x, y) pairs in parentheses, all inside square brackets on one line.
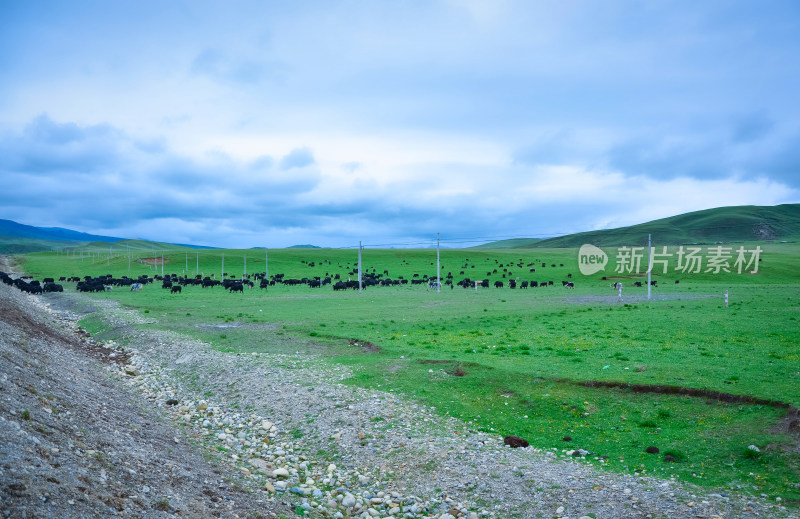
[(17, 238), (12, 228), (746, 223), (722, 224)]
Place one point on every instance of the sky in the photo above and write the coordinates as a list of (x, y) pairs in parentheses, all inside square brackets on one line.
[(273, 123)]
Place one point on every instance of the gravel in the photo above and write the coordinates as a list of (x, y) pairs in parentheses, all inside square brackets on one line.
[(281, 431)]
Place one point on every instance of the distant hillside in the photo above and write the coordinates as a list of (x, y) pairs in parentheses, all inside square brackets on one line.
[(509, 244), (18, 245), (723, 224), (17, 238), (12, 228), (133, 245), (303, 247)]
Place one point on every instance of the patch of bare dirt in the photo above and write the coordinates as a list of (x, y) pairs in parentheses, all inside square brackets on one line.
[(368, 347)]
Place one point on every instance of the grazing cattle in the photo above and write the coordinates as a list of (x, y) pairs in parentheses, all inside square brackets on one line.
[(135, 287), (637, 284), (524, 284), (654, 283), (512, 284), (236, 287), (352, 283), (175, 290), (616, 285), (677, 281), (498, 284), (53, 287), (534, 284), (568, 284), (516, 442), (90, 285)]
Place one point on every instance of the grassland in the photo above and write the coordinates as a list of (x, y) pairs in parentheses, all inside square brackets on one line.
[(518, 361)]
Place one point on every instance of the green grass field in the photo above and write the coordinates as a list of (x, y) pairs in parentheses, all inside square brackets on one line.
[(517, 361)]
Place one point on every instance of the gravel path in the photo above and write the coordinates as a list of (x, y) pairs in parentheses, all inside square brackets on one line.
[(282, 433)]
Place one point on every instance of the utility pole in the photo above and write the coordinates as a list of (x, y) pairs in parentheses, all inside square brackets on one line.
[(266, 264), (245, 267), (438, 268), (359, 267), (197, 264), (223, 267), (649, 265)]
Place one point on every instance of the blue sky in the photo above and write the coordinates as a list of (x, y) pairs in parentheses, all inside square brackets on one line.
[(243, 124)]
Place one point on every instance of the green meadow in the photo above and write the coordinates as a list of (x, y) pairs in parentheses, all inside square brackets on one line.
[(541, 363)]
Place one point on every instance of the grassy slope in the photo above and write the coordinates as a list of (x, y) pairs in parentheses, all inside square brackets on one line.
[(24, 245), (20, 245), (123, 246), (727, 224), (507, 244), (522, 350)]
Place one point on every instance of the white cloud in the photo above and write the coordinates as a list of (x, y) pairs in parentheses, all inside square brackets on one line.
[(329, 121)]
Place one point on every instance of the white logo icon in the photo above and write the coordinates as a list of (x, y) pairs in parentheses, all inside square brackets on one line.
[(591, 259)]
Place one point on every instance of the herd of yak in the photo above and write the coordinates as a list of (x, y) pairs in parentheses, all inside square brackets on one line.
[(33, 286), (175, 283)]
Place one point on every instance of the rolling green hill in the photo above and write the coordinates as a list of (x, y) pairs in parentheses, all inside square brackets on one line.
[(723, 224), (133, 245), (512, 243), (21, 245)]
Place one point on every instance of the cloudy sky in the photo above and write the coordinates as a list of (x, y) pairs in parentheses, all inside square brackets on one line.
[(273, 123)]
